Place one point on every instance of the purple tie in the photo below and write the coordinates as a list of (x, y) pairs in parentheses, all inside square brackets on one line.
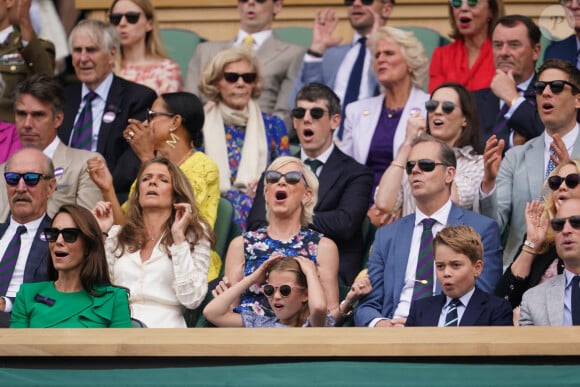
[(424, 273), (83, 128), (9, 260)]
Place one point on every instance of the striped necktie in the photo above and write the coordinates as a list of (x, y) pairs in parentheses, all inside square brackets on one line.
[(451, 319), (83, 128), (424, 273), (9, 260)]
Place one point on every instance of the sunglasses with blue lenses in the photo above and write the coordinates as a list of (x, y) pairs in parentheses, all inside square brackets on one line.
[(30, 178), (69, 235)]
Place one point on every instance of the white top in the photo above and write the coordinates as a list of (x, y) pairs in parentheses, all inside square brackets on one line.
[(161, 287)]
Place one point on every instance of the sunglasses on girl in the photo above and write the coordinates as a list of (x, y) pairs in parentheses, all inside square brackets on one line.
[(131, 17), (246, 77), (30, 178), (152, 114), (446, 106), (459, 3), (364, 2), (285, 290), (426, 165), (572, 180), (292, 177), (555, 86), (69, 235), (558, 223), (316, 113)]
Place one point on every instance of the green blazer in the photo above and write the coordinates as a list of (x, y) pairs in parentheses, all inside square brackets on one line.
[(40, 305)]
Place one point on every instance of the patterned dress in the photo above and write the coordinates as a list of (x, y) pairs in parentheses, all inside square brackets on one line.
[(278, 145), (258, 247), (253, 320), (164, 77)]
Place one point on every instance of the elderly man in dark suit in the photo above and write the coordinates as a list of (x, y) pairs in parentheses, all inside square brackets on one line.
[(30, 182), (508, 108), (345, 185), (98, 109)]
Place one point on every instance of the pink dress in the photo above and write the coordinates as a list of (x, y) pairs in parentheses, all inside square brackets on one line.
[(9, 141), (164, 77)]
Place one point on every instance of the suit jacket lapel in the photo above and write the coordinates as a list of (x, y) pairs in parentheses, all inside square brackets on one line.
[(434, 307), (73, 102), (38, 253), (534, 161), (330, 173), (113, 104), (555, 300), (473, 309), (270, 50)]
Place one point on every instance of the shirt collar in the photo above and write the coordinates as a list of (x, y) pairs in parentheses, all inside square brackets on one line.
[(525, 84), (51, 148), (5, 32), (569, 139), (441, 215), (30, 226), (322, 157), (464, 299), (569, 276), (102, 90), (259, 37)]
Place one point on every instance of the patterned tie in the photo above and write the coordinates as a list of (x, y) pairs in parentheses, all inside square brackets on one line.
[(9, 259), (353, 86), (576, 300), (551, 164), (500, 120), (451, 319), (424, 273), (314, 164), (83, 128)]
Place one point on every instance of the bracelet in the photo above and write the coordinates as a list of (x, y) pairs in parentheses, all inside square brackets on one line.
[(314, 53), (530, 244), (396, 164), (529, 250), (341, 312)]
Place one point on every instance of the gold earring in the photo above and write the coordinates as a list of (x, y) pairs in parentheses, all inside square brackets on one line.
[(173, 140)]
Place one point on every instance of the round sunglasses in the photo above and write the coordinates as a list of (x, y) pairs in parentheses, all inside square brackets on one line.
[(315, 112), (558, 223), (556, 86), (131, 17), (246, 77), (426, 165), (285, 290), (446, 106), (30, 178), (292, 177), (572, 180), (69, 235), (459, 3)]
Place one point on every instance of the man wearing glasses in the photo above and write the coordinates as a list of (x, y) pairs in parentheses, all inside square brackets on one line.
[(556, 301), (29, 179), (38, 107), (99, 107), (569, 48), (345, 185), (510, 183), (401, 265)]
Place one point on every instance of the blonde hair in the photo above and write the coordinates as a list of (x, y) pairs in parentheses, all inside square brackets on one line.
[(213, 72), (289, 264), (311, 183), (411, 49), (461, 239)]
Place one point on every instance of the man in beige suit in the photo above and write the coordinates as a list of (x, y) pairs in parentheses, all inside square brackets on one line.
[(38, 109), (279, 60)]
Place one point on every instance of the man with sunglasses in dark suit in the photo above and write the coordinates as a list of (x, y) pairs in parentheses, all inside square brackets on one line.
[(508, 108), (510, 183), (98, 109), (556, 301), (345, 185), (279, 60), (401, 265), (30, 182)]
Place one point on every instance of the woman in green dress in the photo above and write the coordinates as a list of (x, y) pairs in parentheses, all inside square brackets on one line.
[(80, 294)]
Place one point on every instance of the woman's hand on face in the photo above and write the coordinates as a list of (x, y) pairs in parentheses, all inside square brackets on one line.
[(140, 136), (100, 174), (536, 226), (183, 217), (103, 212)]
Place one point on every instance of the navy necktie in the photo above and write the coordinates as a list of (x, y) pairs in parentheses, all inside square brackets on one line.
[(9, 260), (83, 128), (452, 319), (575, 300), (353, 86)]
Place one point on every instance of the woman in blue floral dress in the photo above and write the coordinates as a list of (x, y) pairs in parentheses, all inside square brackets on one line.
[(238, 136), (290, 191)]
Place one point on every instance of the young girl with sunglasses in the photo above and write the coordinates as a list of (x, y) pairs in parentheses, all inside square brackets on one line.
[(293, 291), (79, 293)]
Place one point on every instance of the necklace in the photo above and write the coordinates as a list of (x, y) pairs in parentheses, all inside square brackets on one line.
[(394, 112), (187, 155)]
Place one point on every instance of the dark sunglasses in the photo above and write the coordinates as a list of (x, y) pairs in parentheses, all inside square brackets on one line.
[(131, 17), (247, 77), (316, 113), (426, 165), (459, 3), (572, 180), (285, 290), (30, 178), (152, 114), (257, 1), (364, 2), (292, 177), (555, 86), (69, 235), (446, 106), (558, 223)]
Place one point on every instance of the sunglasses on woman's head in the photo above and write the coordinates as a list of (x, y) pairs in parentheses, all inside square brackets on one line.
[(315, 112), (426, 165), (572, 180), (285, 290), (69, 235), (292, 177), (446, 106), (246, 77), (558, 223), (459, 3), (132, 17), (555, 86), (30, 178), (364, 2)]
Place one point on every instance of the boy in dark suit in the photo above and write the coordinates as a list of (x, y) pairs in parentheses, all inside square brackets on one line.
[(458, 255)]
